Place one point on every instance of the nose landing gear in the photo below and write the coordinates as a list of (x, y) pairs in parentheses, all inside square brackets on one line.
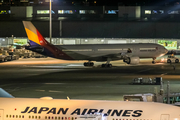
[(153, 62)]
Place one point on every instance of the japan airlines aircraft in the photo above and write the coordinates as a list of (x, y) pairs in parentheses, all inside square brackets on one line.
[(129, 53), (46, 108)]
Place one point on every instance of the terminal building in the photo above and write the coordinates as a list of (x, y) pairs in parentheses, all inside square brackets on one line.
[(94, 24)]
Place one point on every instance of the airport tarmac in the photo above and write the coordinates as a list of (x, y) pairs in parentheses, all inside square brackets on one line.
[(39, 77)]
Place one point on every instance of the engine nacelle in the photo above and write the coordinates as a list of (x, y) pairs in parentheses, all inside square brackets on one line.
[(132, 60)]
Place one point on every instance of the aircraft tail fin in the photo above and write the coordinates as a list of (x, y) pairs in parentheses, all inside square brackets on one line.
[(35, 38), (39, 44)]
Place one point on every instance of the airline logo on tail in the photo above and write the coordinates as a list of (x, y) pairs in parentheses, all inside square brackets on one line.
[(36, 40)]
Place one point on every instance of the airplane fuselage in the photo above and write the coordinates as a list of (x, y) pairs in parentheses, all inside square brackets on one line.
[(54, 109), (100, 52)]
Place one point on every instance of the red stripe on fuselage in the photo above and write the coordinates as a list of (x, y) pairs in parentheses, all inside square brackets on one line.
[(55, 51)]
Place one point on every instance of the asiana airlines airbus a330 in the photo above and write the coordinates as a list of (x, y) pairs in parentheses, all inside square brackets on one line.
[(129, 53)]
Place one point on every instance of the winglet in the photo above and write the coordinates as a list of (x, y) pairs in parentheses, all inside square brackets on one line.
[(3, 93)]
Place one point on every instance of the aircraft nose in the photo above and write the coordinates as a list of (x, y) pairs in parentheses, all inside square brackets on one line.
[(166, 51)]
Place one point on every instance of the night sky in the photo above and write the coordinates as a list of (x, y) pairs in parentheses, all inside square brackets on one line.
[(121, 2), (108, 2)]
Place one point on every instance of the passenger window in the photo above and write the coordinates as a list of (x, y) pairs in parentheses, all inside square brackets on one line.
[(32, 117), (19, 116), (23, 116), (45, 117), (49, 117), (59, 118), (72, 118), (16, 116), (36, 117), (55, 117), (29, 116)]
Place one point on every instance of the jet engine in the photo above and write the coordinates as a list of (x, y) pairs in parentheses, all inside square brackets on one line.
[(131, 60)]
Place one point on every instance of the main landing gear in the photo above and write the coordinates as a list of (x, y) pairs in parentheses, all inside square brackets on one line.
[(89, 64), (107, 65), (153, 62)]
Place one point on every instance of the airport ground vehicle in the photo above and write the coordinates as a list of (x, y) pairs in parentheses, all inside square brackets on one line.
[(162, 96), (147, 81), (10, 53), (172, 59), (10, 56), (7, 55), (20, 52), (3, 58), (23, 53)]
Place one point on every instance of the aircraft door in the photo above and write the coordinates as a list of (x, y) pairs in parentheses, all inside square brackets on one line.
[(165, 117), (135, 50), (1, 114)]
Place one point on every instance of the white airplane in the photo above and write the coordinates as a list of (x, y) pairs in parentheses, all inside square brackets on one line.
[(46, 108), (129, 53)]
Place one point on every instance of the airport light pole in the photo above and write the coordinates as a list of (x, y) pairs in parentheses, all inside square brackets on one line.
[(50, 21)]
